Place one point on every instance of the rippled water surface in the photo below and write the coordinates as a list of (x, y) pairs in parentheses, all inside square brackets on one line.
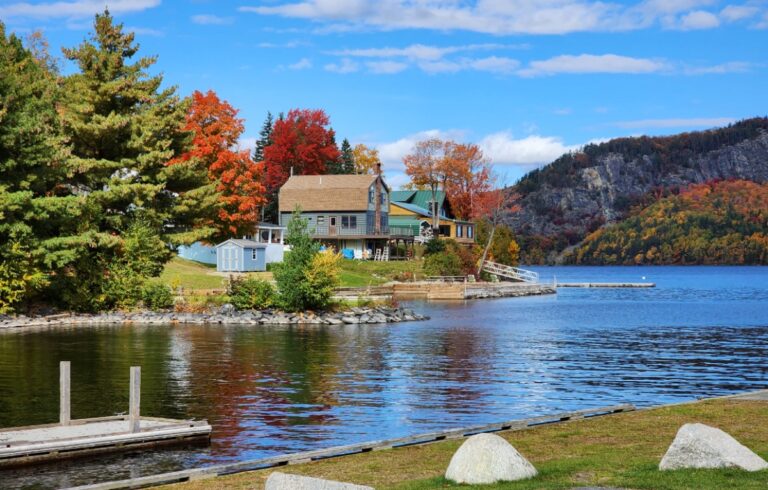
[(266, 390)]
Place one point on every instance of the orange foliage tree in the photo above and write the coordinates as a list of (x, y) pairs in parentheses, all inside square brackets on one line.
[(468, 176), (237, 179), (493, 206)]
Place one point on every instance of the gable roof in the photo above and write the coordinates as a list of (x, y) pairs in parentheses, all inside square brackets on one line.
[(412, 207), (422, 199), (327, 192), (240, 242)]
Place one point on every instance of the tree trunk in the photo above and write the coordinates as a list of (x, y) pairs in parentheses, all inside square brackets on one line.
[(487, 248)]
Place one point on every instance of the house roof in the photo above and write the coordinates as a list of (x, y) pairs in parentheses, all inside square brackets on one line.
[(327, 192), (414, 208), (240, 242), (421, 199)]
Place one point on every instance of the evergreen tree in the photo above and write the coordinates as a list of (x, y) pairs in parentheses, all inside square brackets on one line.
[(123, 128), (33, 201), (265, 139), (347, 158)]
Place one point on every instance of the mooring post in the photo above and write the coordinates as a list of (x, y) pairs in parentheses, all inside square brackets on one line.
[(134, 417), (64, 387)]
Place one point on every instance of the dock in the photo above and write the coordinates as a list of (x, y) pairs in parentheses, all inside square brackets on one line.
[(73, 438), (615, 285)]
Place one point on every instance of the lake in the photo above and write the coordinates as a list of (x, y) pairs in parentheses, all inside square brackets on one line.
[(703, 331)]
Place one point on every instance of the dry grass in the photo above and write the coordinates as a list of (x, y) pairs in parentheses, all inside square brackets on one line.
[(617, 451)]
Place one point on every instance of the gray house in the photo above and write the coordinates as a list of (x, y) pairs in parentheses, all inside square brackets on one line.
[(235, 255), (348, 212)]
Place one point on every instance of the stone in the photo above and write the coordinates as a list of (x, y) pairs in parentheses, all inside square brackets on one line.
[(285, 481), (488, 458), (702, 446)]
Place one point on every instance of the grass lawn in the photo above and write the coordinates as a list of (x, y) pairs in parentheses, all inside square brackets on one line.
[(195, 275), (621, 450), (362, 273)]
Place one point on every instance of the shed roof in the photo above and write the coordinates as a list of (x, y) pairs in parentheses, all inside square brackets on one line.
[(327, 192), (240, 242)]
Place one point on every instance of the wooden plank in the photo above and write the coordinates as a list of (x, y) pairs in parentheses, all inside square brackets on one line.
[(338, 451), (65, 414)]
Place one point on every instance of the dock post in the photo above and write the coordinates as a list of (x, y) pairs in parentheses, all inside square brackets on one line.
[(134, 418), (64, 388)]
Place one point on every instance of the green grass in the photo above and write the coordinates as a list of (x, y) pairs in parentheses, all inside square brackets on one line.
[(191, 275), (362, 273), (622, 450)]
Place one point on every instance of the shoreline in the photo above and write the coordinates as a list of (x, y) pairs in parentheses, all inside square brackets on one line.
[(224, 316)]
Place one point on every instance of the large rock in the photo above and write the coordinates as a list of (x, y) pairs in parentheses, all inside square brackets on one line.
[(701, 446), (487, 458), (284, 481)]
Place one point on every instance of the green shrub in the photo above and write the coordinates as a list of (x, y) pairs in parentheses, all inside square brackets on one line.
[(290, 275), (442, 264), (434, 246), (156, 296), (322, 278), (251, 294)]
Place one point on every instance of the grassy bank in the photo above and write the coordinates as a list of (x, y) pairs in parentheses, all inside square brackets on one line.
[(354, 273), (616, 451)]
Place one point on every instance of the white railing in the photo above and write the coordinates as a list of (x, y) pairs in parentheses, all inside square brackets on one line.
[(509, 272)]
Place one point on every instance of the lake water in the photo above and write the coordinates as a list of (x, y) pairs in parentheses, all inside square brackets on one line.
[(267, 390)]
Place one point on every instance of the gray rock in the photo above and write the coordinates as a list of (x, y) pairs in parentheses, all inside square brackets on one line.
[(702, 446), (487, 458), (227, 309), (350, 319), (284, 481)]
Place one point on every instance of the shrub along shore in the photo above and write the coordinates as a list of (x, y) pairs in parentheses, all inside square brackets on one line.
[(622, 450)]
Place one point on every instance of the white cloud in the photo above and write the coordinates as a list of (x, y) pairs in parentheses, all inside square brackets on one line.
[(344, 66), (207, 19), (499, 17), (143, 31), (503, 149), (302, 64), (494, 64), (589, 63), (699, 19), (723, 68), (710, 122), (392, 153), (386, 67), (73, 9), (763, 24), (422, 51), (288, 45), (733, 13)]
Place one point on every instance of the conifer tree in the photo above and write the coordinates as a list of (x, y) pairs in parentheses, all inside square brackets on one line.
[(347, 158), (123, 128), (265, 139)]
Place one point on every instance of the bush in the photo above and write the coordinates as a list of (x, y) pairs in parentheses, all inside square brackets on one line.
[(290, 275), (442, 264), (322, 278), (251, 294), (156, 296), (434, 246)]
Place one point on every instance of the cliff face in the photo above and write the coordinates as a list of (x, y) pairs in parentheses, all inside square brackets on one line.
[(579, 193)]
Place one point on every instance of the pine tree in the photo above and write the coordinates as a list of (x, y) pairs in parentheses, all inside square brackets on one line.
[(347, 158), (33, 202), (265, 139), (123, 129)]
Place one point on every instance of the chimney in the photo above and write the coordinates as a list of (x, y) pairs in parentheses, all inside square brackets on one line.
[(291, 170), (378, 168)]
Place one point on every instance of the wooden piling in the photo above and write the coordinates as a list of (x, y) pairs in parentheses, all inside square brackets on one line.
[(65, 414), (134, 416)]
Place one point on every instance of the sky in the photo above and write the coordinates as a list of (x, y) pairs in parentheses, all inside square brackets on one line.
[(527, 80)]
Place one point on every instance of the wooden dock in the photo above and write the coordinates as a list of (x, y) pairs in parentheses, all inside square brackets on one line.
[(616, 285), (338, 451), (72, 438)]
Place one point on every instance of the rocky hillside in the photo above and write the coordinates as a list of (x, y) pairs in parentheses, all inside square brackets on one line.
[(723, 222), (579, 193)]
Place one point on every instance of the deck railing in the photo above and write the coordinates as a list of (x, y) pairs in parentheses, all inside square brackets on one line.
[(360, 230)]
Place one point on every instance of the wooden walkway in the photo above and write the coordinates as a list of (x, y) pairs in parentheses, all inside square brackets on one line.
[(506, 272), (305, 457)]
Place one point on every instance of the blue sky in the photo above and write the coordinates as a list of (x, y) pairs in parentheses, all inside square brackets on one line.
[(527, 80)]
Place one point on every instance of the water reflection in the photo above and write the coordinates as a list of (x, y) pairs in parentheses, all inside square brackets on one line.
[(269, 390)]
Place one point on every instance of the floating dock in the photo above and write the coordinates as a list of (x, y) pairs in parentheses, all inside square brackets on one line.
[(616, 285), (73, 438)]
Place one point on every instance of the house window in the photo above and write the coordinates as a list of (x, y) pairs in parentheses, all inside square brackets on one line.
[(371, 195), (459, 231), (349, 222), (383, 198), (470, 231), (445, 230)]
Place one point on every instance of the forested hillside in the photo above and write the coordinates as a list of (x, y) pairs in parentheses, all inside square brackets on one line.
[(717, 223), (580, 192)]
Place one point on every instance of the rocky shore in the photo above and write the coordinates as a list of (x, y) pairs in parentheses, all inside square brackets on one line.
[(226, 315)]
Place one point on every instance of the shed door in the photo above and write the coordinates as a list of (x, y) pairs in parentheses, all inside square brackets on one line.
[(231, 258)]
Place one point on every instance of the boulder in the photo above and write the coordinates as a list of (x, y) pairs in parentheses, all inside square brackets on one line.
[(701, 446), (487, 458), (284, 481)]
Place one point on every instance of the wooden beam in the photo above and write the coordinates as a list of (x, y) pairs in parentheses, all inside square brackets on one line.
[(134, 416), (65, 414)]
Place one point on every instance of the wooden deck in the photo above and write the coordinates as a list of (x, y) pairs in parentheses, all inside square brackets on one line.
[(26, 445)]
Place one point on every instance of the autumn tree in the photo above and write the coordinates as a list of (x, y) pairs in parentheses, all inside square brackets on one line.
[(303, 144), (467, 177), (493, 207), (427, 167), (366, 159), (234, 175)]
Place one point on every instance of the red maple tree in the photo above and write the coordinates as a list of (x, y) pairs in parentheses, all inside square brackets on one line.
[(302, 141), (237, 178)]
